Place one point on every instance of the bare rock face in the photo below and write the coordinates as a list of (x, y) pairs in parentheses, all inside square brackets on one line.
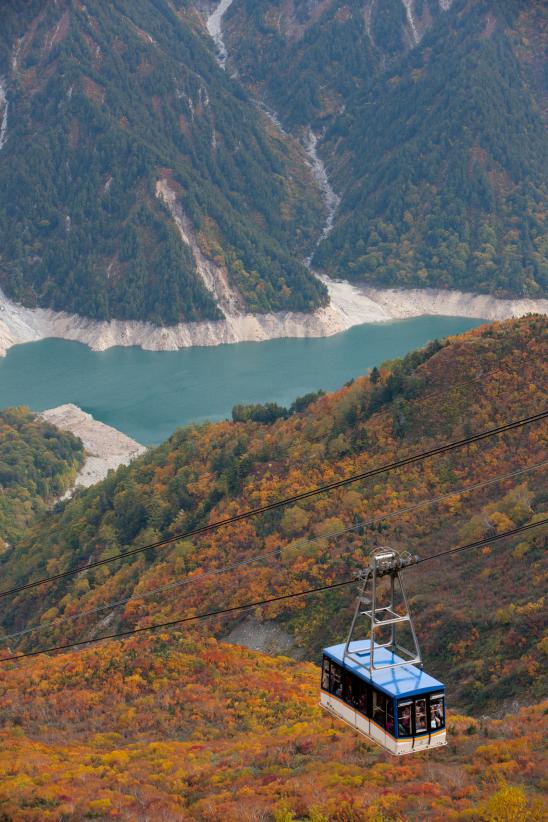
[(106, 448), (3, 114), (214, 27), (268, 637), (215, 279)]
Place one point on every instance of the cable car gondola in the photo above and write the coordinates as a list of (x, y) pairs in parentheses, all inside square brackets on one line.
[(379, 688)]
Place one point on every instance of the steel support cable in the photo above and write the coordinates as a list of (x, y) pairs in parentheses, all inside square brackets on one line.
[(301, 544), (260, 603), (253, 512)]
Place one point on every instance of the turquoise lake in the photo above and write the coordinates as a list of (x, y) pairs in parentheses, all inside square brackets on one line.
[(148, 394)]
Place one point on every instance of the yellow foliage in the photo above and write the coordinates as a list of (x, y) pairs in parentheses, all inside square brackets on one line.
[(117, 759), (507, 805), (100, 805)]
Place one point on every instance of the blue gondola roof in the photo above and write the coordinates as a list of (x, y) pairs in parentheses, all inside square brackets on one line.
[(406, 680)]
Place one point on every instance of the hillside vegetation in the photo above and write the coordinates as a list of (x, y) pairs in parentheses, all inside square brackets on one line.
[(168, 728), (38, 463), (432, 126), (105, 102), (480, 622)]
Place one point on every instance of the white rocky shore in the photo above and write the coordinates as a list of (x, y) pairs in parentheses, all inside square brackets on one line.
[(349, 306), (106, 448)]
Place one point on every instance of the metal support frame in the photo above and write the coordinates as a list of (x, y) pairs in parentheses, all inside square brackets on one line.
[(383, 562)]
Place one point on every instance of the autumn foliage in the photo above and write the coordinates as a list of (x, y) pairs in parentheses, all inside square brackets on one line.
[(168, 728), (480, 624), (179, 726)]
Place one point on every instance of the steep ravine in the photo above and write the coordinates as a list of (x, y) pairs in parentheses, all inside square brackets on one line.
[(215, 28), (408, 5), (214, 24), (331, 199), (214, 278), (4, 105)]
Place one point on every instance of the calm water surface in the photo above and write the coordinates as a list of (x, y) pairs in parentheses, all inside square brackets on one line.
[(147, 394)]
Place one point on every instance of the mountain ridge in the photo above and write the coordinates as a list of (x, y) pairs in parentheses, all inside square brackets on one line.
[(38, 463)]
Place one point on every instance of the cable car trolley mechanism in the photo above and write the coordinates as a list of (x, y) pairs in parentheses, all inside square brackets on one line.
[(379, 687)]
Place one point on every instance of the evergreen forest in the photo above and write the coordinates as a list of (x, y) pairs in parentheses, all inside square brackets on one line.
[(432, 123), (104, 100), (38, 463), (430, 118)]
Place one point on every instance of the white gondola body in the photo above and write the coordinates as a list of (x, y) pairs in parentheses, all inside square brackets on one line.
[(405, 684), (369, 728)]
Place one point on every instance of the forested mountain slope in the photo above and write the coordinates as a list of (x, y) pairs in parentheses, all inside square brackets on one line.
[(431, 118), (129, 160), (171, 729), (480, 624), (37, 464), (308, 57)]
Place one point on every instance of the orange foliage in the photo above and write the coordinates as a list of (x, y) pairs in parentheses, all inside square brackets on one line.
[(165, 727)]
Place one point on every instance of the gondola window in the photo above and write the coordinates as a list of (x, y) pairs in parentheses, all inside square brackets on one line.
[(420, 716), (325, 674), (436, 712), (379, 708), (404, 717), (336, 680)]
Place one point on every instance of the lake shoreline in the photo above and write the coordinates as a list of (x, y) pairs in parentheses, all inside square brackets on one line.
[(350, 305), (148, 394), (106, 447)]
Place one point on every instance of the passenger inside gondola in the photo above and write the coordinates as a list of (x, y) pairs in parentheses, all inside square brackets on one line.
[(336, 681), (325, 675), (349, 691), (390, 716), (436, 712), (352, 694), (420, 715), (404, 719)]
